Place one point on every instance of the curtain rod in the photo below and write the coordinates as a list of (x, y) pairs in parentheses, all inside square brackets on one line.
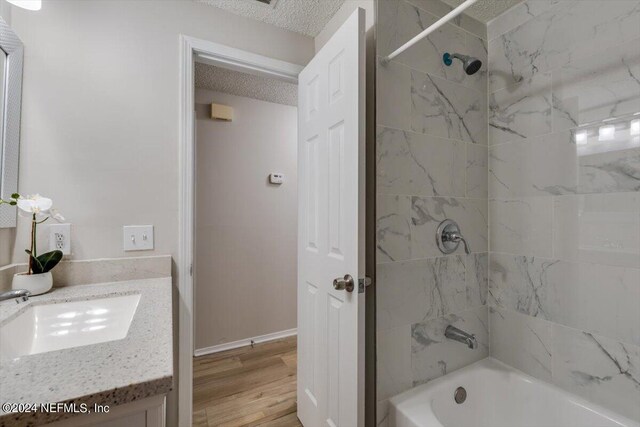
[(439, 23)]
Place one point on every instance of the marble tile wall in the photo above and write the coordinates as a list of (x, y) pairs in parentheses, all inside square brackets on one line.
[(564, 195), (432, 162)]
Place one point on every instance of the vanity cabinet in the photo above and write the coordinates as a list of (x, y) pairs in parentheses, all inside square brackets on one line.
[(149, 412)]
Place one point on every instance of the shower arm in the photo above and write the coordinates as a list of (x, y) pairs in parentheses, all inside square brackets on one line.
[(439, 23)]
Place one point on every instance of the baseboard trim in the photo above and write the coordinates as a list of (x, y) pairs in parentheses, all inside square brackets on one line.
[(245, 342)]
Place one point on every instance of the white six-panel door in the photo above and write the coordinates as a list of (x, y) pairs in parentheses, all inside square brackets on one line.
[(331, 162)]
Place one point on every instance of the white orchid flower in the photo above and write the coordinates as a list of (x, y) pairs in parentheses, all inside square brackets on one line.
[(38, 205), (56, 215), (35, 204), (38, 209)]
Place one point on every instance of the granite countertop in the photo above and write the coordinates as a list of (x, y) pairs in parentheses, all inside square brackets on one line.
[(109, 373)]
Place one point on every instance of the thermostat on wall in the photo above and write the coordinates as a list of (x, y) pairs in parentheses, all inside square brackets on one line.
[(276, 178)]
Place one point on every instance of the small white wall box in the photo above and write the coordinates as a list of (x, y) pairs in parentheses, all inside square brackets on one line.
[(138, 237), (221, 112), (276, 178)]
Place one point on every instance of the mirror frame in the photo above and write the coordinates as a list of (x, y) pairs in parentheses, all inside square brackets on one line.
[(10, 142)]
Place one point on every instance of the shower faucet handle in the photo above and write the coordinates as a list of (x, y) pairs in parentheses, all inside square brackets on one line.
[(456, 238), (448, 237)]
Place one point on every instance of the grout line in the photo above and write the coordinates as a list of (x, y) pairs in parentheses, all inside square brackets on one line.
[(429, 319), (552, 324), (395, 61), (486, 36), (431, 196), (563, 260), (417, 260), (541, 196), (553, 227), (429, 135)]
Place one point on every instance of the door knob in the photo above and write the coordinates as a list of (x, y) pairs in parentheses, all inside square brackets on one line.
[(346, 283)]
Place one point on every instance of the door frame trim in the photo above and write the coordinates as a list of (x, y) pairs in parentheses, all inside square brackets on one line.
[(197, 50)]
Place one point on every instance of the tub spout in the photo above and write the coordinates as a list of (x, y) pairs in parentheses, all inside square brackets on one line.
[(456, 334)]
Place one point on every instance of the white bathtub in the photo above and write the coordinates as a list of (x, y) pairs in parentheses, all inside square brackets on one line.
[(497, 396)]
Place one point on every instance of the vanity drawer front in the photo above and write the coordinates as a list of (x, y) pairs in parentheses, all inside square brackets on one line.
[(149, 412)]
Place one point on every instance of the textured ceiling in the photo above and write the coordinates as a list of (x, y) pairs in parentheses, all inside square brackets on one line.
[(248, 85), (485, 10), (306, 17)]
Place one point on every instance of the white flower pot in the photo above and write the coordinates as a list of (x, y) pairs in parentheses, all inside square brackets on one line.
[(35, 283)]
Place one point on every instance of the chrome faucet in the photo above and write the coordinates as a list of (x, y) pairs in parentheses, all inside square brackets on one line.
[(456, 237), (19, 294), (456, 334), (448, 237)]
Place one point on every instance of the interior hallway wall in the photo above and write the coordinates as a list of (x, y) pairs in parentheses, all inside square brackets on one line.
[(564, 169), (431, 165), (246, 228)]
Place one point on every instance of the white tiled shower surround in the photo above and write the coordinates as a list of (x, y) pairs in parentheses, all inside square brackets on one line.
[(432, 154), (564, 196), (560, 208)]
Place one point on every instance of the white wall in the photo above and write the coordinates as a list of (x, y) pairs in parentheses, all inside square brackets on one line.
[(5, 11), (341, 16), (245, 227), (100, 112), (100, 109), (7, 239)]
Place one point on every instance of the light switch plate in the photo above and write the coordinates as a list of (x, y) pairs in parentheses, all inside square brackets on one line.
[(138, 237), (60, 238)]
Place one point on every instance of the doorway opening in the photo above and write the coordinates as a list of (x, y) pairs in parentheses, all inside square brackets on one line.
[(331, 232), (193, 51), (245, 275)]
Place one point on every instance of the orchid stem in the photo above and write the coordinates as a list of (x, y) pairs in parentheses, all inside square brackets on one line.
[(35, 234), (33, 243)]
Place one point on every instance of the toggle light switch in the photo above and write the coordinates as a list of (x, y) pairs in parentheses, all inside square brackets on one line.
[(138, 237)]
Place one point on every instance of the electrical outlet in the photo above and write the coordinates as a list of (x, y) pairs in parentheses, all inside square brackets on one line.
[(60, 238)]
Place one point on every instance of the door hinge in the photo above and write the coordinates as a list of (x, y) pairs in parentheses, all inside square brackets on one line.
[(363, 283), (191, 270)]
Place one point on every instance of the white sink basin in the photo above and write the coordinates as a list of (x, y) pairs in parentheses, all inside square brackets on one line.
[(50, 327)]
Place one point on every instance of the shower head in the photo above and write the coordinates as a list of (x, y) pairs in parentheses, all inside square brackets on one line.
[(470, 64)]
